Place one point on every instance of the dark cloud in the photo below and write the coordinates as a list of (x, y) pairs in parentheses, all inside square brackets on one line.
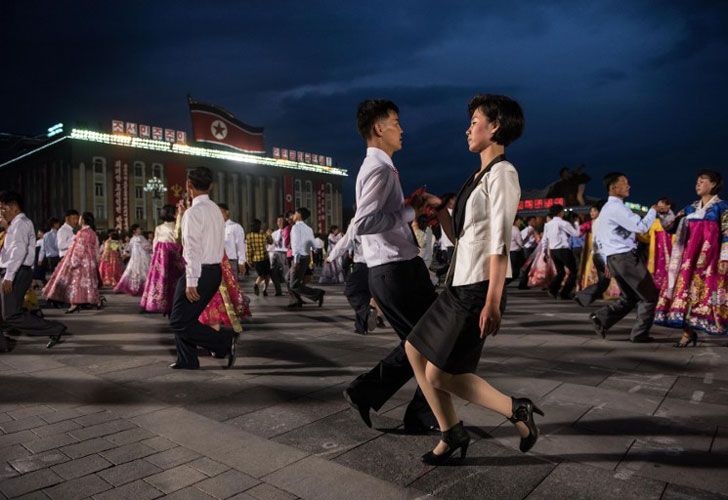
[(631, 85)]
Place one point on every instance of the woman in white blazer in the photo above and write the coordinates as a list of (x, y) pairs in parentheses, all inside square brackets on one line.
[(444, 347)]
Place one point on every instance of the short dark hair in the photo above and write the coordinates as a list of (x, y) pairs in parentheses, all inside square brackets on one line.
[(501, 109), (611, 178), (529, 218), (597, 205), (305, 212), (369, 112), (133, 228), (555, 210), (200, 177), (288, 214), (113, 234), (168, 213), (223, 206), (713, 176), (10, 197), (563, 169), (256, 225), (70, 212), (666, 201), (53, 221), (89, 220)]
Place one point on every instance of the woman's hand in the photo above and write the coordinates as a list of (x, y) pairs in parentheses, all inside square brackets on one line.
[(490, 319)]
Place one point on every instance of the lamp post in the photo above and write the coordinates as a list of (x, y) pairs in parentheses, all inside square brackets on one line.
[(156, 186)]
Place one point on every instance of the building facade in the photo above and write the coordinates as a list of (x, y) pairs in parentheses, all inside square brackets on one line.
[(107, 175)]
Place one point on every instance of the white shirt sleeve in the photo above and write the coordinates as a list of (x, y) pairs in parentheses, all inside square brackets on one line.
[(240, 244), (370, 217), (624, 217), (192, 246), (504, 194)]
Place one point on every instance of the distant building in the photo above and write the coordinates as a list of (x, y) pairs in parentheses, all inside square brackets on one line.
[(107, 174)]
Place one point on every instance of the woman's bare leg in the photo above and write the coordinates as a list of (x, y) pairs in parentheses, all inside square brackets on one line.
[(470, 387), (440, 401)]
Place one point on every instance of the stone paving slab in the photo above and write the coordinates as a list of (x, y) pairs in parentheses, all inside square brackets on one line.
[(102, 415)]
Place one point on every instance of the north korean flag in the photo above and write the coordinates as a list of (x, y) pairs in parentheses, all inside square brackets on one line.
[(215, 125)]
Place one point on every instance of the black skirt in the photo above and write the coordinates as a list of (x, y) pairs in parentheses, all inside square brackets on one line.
[(448, 335), (262, 268)]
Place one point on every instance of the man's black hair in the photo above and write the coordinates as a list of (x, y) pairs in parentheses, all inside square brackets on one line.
[(10, 197), (555, 210), (611, 178), (305, 212), (201, 178), (371, 111)]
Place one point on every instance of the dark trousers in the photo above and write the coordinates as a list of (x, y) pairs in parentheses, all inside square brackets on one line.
[(517, 259), (404, 292), (356, 290), (14, 316), (563, 259), (189, 333), (638, 289), (296, 287), (52, 263), (279, 270), (595, 291)]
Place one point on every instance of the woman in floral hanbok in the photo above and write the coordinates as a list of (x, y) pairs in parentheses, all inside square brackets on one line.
[(229, 306), (76, 279), (132, 281), (166, 268), (111, 265), (694, 297)]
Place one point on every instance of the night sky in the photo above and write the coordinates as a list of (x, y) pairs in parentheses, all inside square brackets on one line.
[(635, 86)]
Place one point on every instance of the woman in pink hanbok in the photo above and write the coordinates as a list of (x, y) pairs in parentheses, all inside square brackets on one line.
[(694, 297), (111, 265), (132, 281), (166, 268), (76, 279)]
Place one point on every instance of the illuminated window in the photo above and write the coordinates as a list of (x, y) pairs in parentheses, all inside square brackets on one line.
[(328, 204), (308, 198), (99, 168)]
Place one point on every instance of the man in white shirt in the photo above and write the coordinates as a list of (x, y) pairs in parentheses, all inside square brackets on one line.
[(301, 245), (234, 242), (16, 274), (516, 251), (594, 292), (65, 233), (203, 246), (556, 234), (528, 235), (279, 261), (398, 278), (615, 240), (50, 246)]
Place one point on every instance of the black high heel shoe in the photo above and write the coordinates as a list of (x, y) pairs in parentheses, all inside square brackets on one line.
[(692, 339), (73, 309), (456, 438), (523, 410)]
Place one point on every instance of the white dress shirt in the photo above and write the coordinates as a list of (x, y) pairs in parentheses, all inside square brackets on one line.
[(617, 227), (234, 241), (64, 238), (445, 242), (516, 239), (528, 235), (19, 247), (382, 219), (349, 243), (556, 233), (278, 243), (203, 237), (50, 243), (301, 240)]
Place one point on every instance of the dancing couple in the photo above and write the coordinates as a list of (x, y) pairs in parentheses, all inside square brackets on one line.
[(441, 337)]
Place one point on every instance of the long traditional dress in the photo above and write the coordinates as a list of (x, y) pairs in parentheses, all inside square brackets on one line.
[(111, 266), (76, 278), (659, 252), (229, 305), (135, 274), (166, 268), (695, 295)]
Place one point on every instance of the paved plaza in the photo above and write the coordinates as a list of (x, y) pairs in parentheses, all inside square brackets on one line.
[(101, 415)]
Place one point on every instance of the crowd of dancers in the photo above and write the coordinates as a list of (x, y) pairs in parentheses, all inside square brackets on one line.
[(394, 256)]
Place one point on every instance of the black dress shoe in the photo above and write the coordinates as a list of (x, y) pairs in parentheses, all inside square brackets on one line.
[(321, 299), (642, 339), (598, 327), (55, 339), (360, 332), (233, 351), (523, 410), (363, 409), (456, 438)]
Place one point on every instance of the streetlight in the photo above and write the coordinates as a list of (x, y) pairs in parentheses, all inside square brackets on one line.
[(156, 186)]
